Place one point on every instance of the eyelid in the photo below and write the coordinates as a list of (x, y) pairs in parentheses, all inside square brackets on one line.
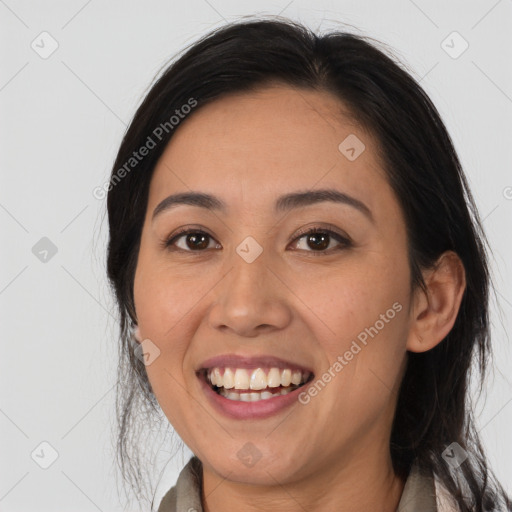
[(326, 228)]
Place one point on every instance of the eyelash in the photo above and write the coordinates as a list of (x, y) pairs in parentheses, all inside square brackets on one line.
[(343, 240)]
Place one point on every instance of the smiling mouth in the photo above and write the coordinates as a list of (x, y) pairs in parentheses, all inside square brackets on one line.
[(253, 385)]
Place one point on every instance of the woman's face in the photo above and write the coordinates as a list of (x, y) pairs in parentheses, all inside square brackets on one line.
[(249, 284)]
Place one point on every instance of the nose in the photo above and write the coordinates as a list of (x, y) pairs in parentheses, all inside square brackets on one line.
[(250, 300)]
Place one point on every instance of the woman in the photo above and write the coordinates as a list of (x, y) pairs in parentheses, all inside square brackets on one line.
[(301, 278)]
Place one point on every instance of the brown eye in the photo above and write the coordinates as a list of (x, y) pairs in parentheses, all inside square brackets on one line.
[(193, 240), (318, 240), (197, 241)]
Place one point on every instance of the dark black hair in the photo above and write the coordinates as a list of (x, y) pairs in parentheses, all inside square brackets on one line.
[(434, 407)]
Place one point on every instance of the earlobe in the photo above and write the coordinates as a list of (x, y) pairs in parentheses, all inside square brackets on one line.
[(435, 310), (136, 334)]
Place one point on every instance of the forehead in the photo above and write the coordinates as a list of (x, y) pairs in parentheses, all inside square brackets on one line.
[(259, 145)]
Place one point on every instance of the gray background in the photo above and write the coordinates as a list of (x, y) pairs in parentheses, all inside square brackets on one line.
[(62, 119)]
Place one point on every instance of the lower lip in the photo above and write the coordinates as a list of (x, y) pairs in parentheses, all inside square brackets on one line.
[(250, 410)]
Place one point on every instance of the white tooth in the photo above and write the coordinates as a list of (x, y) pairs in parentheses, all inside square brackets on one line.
[(286, 377), (216, 377), (296, 376), (228, 380), (258, 379), (241, 379), (274, 378), (252, 397)]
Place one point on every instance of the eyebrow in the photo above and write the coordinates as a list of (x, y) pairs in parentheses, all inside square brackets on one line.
[(284, 203)]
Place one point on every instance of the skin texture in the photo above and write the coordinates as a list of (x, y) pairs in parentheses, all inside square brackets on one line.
[(292, 302)]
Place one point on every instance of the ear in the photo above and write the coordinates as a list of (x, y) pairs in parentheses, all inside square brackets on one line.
[(434, 312), (136, 333)]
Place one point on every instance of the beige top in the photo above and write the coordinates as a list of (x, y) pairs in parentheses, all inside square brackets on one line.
[(419, 493)]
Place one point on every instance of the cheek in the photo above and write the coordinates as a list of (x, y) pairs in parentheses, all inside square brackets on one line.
[(170, 303), (345, 303), (164, 302), (360, 323), (163, 296), (161, 305), (359, 318)]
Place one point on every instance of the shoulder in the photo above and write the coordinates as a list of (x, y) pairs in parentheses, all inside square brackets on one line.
[(186, 494), (445, 501), (168, 503), (423, 490)]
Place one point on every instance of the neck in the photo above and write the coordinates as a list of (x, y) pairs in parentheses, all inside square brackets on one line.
[(361, 484)]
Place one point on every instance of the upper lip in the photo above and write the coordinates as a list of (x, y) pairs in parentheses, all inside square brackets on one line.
[(248, 362)]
